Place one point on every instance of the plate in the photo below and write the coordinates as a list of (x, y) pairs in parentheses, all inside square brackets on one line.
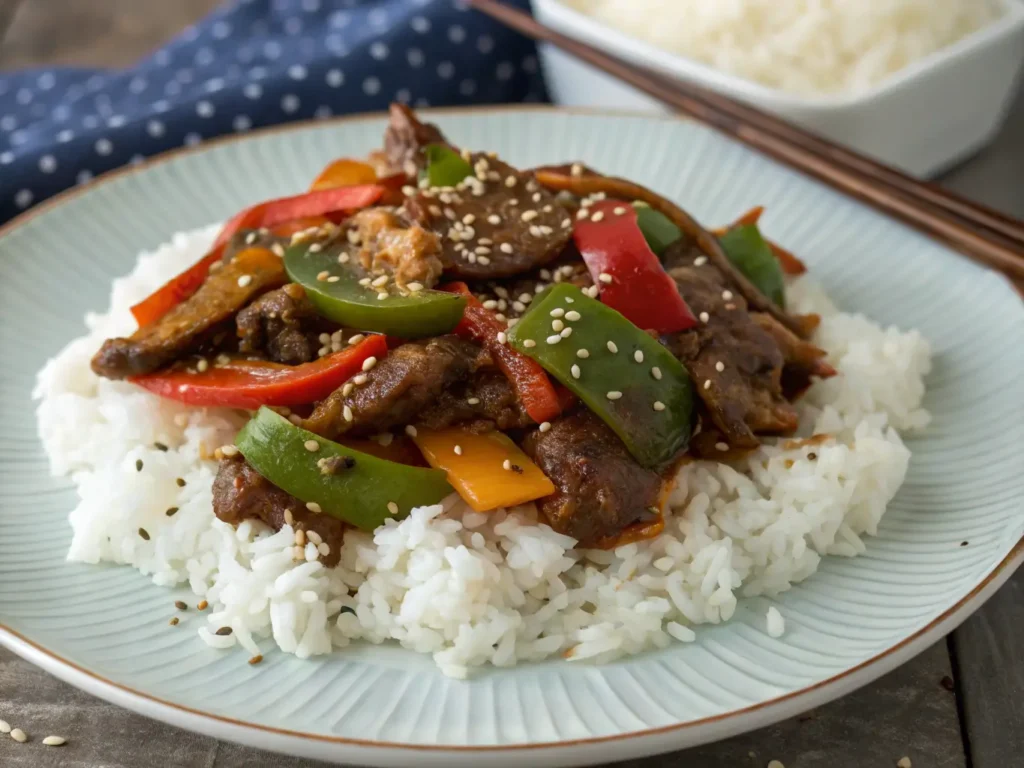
[(105, 630)]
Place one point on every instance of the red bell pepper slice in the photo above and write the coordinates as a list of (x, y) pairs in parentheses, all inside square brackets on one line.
[(249, 384), (269, 214), (532, 384), (614, 249)]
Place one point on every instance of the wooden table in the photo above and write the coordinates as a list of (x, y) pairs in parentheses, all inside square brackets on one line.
[(960, 704)]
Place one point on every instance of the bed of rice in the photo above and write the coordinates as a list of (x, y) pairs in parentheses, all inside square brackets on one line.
[(470, 588), (802, 46)]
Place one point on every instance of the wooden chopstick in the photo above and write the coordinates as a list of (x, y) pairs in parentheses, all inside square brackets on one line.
[(979, 232)]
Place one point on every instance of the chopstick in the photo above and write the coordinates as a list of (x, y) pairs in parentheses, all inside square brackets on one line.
[(979, 232)]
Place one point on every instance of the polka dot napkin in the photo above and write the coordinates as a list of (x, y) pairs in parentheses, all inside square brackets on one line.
[(252, 63)]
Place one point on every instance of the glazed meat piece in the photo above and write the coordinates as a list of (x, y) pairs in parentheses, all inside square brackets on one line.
[(486, 400), (802, 359), (601, 488), (281, 326), (227, 289), (736, 366), (405, 139), (402, 385), (241, 493), (385, 244)]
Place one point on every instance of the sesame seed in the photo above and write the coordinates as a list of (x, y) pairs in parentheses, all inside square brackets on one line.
[(490, 304), (553, 339), (289, 518), (322, 276), (529, 343), (469, 218), (573, 315), (377, 282), (315, 247), (501, 291), (582, 354), (707, 384), (449, 214), (202, 605), (605, 278), (359, 379), (591, 291), (597, 216), (613, 395), (719, 366), (202, 365), (505, 248), (19, 735), (347, 389), (473, 400), (410, 430), (536, 231), (656, 373), (256, 659), (435, 210), (575, 370), (369, 362), (513, 320), (382, 295), (506, 465), (5, 727), (333, 279), (557, 325), (529, 215), (458, 450), (638, 356), (502, 338), (392, 508), (229, 451), (313, 507), (278, 250), (510, 181), (244, 280), (565, 333), (618, 211), (582, 213), (323, 548), (483, 260), (545, 426), (250, 238), (659, 406), (727, 295), (722, 446), (415, 287), (730, 306), (518, 306), (566, 223), (312, 446), (700, 261), (324, 338), (536, 197), (611, 347), (364, 282), (347, 413), (54, 741), (343, 258), (704, 317)]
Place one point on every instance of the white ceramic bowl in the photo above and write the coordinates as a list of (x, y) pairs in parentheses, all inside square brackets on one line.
[(922, 119)]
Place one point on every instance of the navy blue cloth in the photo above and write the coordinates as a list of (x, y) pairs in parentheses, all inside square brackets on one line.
[(249, 64)]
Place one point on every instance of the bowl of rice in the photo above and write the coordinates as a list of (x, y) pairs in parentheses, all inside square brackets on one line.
[(918, 85)]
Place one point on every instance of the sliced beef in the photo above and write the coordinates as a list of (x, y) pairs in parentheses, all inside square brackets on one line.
[(241, 493), (402, 385), (281, 325), (385, 244), (228, 288), (600, 487), (736, 366), (802, 359), (405, 139), (486, 400)]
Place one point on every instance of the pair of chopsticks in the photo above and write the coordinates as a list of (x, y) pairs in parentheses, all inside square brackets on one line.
[(979, 232)]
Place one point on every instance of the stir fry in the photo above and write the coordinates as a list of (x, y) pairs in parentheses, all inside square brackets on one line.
[(433, 320)]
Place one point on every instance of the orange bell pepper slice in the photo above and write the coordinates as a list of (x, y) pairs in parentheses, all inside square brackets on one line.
[(476, 466), (344, 173)]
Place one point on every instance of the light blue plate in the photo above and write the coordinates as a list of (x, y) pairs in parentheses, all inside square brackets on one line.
[(105, 628)]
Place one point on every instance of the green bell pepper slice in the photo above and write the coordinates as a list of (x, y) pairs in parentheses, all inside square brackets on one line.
[(445, 166), (751, 254), (657, 229), (635, 385), (345, 301), (365, 493)]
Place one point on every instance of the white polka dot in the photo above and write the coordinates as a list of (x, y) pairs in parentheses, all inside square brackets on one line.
[(335, 78), (24, 198), (445, 70), (104, 147), (90, 122), (311, 6), (74, 92), (371, 85), (46, 81), (137, 159), (214, 84), (245, 54), (297, 72), (258, 73), (155, 128), (340, 19), (379, 51), (204, 108), (161, 105), (23, 96), (403, 95), (461, 5), (163, 58), (336, 45), (94, 82), (415, 57), (253, 91), (272, 49), (322, 112), (8, 123), (18, 138), (485, 43), (530, 64), (421, 102), (293, 26), (47, 163), (192, 138), (172, 88), (420, 24), (64, 136), (467, 87), (220, 30), (504, 71), (290, 103), (6, 158), (204, 57), (137, 84), (84, 176), (241, 123), (378, 18), (190, 34), (61, 113), (116, 121), (456, 33), (183, 76)]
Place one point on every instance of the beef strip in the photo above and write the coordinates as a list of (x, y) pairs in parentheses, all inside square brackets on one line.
[(486, 400), (385, 244), (241, 493), (281, 325), (228, 288), (403, 384), (745, 397), (405, 139), (600, 487), (802, 359)]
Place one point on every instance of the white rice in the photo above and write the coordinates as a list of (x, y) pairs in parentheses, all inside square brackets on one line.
[(801, 46), (471, 588)]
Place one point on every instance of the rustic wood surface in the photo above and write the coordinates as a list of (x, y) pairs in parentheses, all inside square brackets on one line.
[(960, 704)]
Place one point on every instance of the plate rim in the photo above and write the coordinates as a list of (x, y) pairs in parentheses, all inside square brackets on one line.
[(679, 735)]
